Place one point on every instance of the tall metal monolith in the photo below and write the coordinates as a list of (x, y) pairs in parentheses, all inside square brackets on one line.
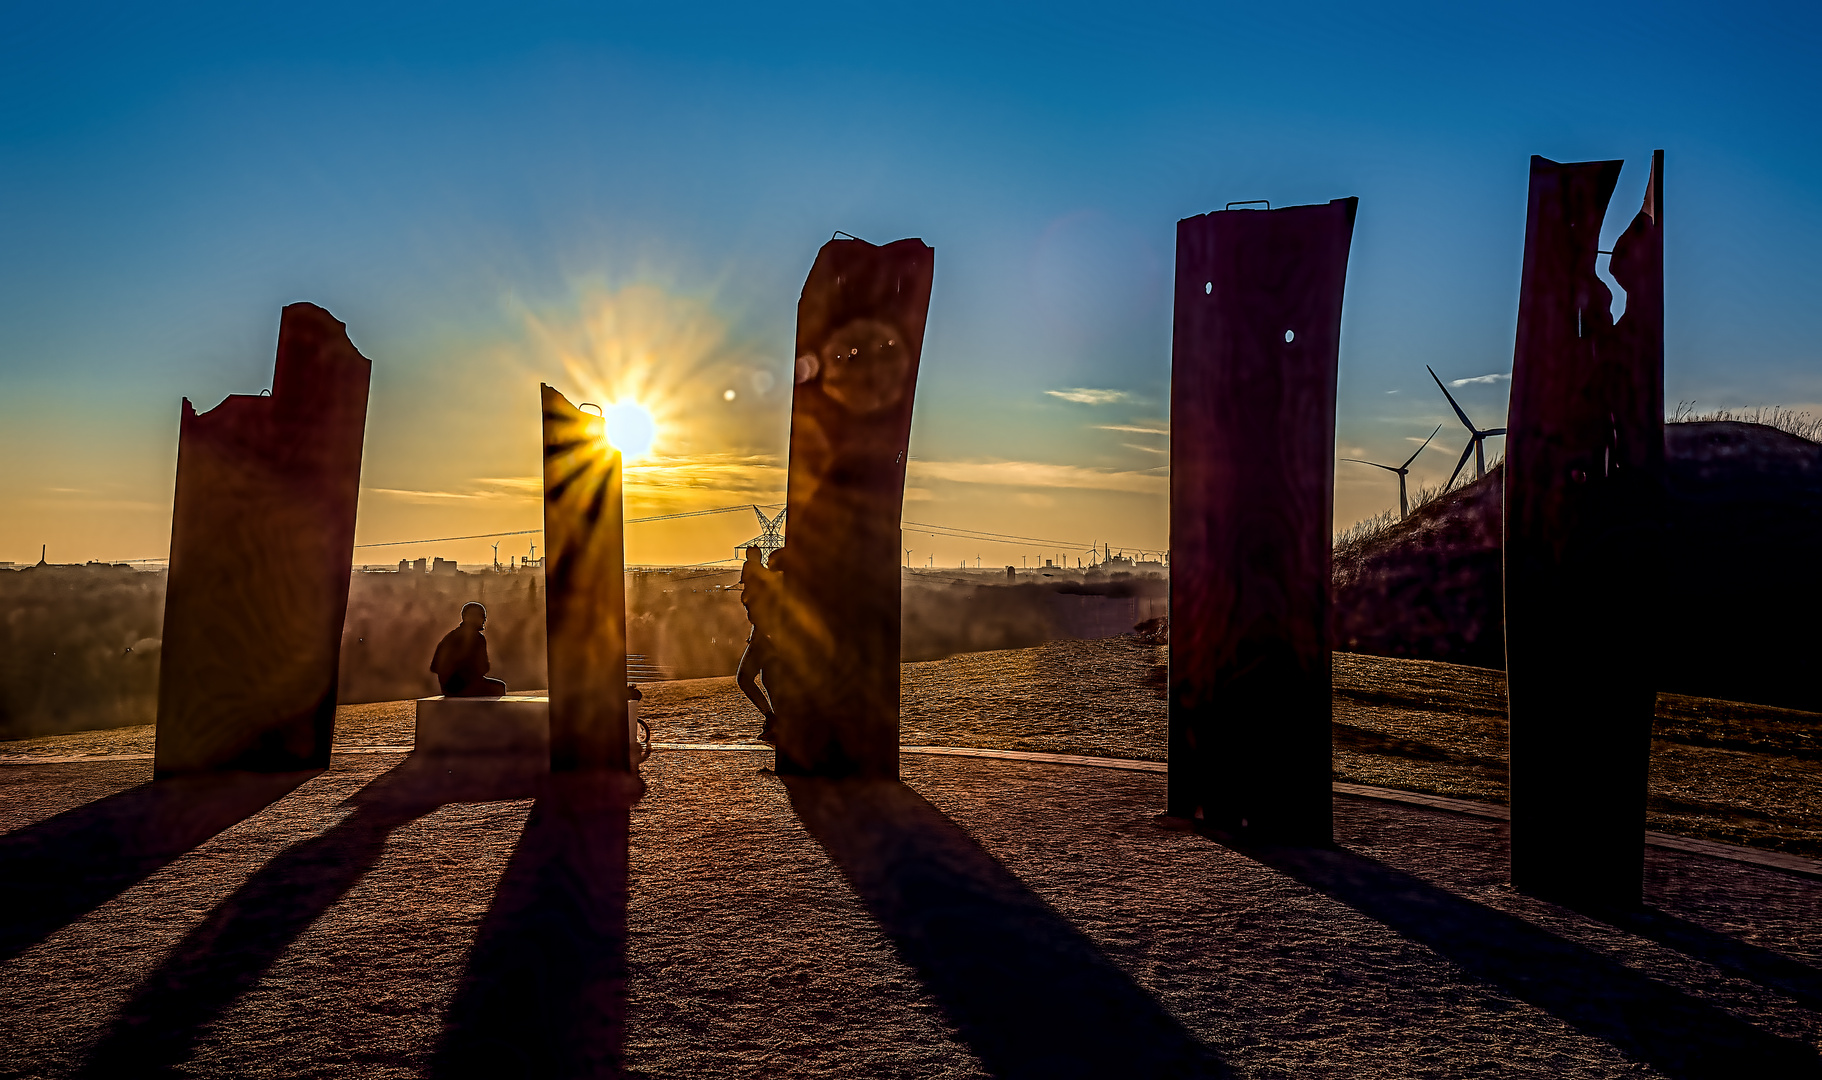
[(860, 335), (262, 544), (585, 590), (1584, 467), (1256, 337)]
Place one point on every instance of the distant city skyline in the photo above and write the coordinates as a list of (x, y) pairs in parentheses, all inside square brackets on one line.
[(624, 202)]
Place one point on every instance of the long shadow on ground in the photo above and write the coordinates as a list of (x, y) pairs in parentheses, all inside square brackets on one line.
[(1768, 968), (59, 870), (1680, 1035), (545, 991), (1029, 992), (157, 1029)]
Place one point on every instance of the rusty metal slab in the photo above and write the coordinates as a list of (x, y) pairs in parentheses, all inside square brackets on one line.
[(1584, 461), (1255, 344), (262, 542), (585, 590), (860, 335)]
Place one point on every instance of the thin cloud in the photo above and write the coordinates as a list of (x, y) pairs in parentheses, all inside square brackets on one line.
[(1486, 380), (528, 484), (1083, 395), (503, 488), (1039, 474), (674, 484), (422, 496), (1147, 449), (1136, 429), (663, 480), (695, 469), (101, 504)]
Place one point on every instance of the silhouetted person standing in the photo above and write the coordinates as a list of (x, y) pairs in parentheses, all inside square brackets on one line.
[(759, 592), (461, 659)]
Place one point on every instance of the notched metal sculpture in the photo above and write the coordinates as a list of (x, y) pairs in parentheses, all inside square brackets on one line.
[(585, 590), (1256, 336), (860, 333), (1584, 461), (262, 541)]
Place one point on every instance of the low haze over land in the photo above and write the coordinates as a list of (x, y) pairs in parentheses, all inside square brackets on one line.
[(624, 202)]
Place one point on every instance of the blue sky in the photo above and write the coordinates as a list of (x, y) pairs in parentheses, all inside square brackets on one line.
[(482, 194)]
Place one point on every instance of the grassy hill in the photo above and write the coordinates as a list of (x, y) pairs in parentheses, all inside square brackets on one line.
[(1736, 615)]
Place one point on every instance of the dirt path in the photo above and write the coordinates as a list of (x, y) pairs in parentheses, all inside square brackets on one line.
[(1720, 771)]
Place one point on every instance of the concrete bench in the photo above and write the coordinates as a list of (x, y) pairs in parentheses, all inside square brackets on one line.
[(516, 726)]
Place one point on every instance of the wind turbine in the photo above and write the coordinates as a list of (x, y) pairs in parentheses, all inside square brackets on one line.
[(1475, 436), (1404, 504)]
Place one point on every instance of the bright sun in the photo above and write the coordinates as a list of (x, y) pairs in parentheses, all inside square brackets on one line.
[(630, 428)]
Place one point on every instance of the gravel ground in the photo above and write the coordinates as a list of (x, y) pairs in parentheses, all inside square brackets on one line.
[(322, 937), (951, 926), (394, 917)]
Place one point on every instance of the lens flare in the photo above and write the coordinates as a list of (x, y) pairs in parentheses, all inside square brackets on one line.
[(630, 428), (656, 360)]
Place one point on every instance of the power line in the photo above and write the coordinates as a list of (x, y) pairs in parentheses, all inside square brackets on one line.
[(921, 527), (444, 539), (976, 534), (528, 532), (703, 513)]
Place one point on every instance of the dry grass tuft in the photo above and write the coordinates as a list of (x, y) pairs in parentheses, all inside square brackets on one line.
[(1800, 424), (1361, 536)]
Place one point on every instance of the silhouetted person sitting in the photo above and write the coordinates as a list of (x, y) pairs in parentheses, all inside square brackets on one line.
[(461, 659), (759, 592)]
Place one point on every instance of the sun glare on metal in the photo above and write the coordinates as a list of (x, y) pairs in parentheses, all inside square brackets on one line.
[(630, 428)]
